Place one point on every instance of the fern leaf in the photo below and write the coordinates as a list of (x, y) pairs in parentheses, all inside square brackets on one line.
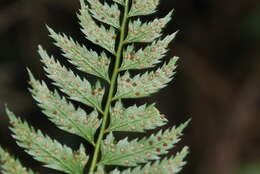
[(76, 88), (146, 84), (10, 165), (135, 119), (122, 2), (170, 165), (147, 57), (46, 150), (110, 26), (143, 7), (63, 113), (125, 153), (85, 60), (96, 34), (146, 32), (105, 13)]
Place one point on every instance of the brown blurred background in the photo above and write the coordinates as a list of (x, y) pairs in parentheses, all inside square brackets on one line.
[(217, 85)]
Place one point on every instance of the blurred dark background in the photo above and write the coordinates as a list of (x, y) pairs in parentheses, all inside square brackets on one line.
[(217, 84)]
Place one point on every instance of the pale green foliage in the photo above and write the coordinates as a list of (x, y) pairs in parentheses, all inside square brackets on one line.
[(46, 150), (132, 153), (171, 165), (135, 119), (105, 13), (71, 84), (104, 24), (97, 34), (85, 60), (145, 84), (57, 108), (10, 165), (147, 57), (143, 7), (146, 32)]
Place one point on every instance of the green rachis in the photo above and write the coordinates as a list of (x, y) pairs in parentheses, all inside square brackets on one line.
[(115, 28)]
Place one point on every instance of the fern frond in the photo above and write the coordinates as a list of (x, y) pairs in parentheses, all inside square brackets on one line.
[(170, 165), (97, 34), (146, 32), (50, 152), (147, 57), (135, 119), (146, 84), (132, 153), (105, 13), (143, 7), (11, 165), (85, 60), (112, 27), (76, 88), (63, 113)]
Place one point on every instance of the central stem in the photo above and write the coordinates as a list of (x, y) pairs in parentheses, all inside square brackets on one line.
[(111, 89)]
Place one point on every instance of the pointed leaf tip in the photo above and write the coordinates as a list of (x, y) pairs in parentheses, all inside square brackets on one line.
[(63, 113), (84, 59), (109, 14), (147, 83), (132, 153), (11, 165), (146, 32), (143, 7), (46, 150), (147, 57), (135, 119), (97, 34), (171, 165), (75, 87)]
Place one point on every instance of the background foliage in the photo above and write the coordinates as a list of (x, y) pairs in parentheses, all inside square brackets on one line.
[(217, 83)]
